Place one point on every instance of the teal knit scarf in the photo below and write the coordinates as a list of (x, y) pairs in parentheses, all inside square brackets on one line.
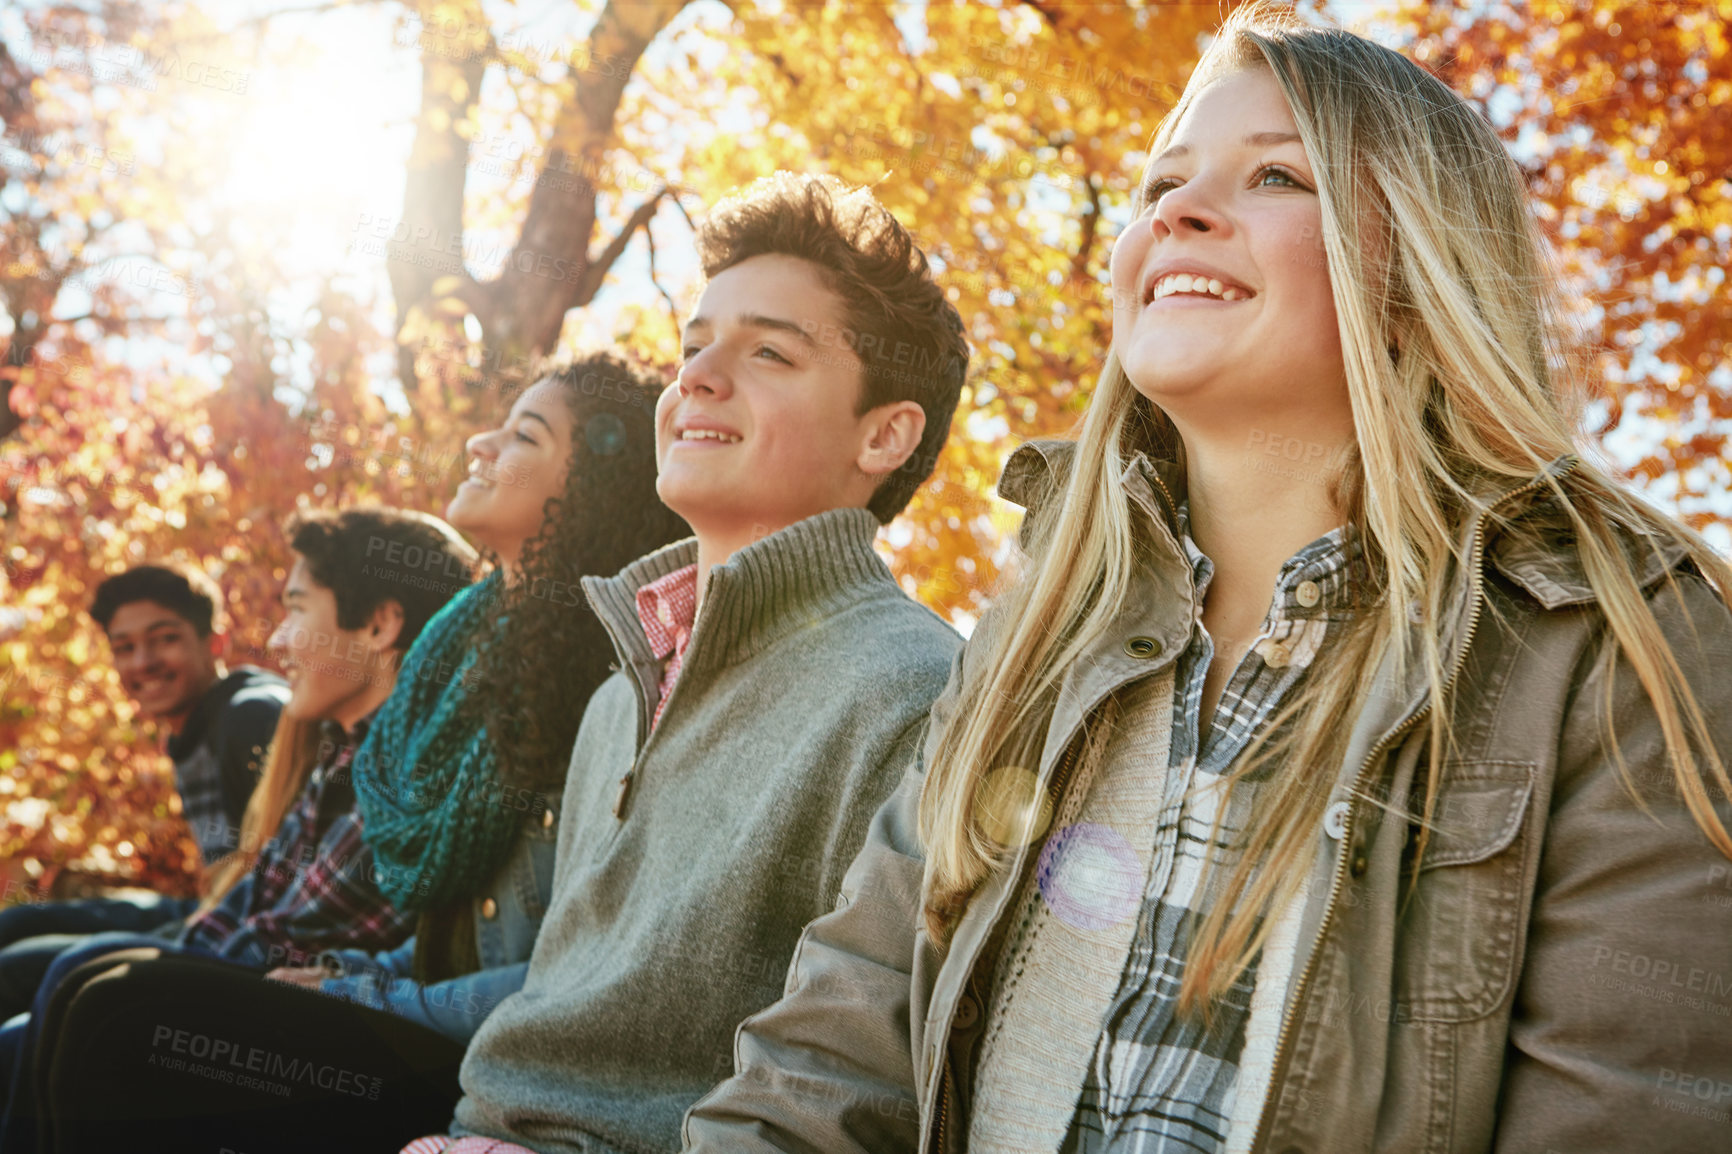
[(425, 779)]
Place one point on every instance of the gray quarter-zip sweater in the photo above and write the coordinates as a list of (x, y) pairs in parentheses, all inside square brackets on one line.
[(802, 697)]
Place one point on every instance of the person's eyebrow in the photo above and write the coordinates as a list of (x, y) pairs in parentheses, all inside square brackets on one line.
[(535, 416), (777, 324), (1255, 140), (759, 321), (291, 593)]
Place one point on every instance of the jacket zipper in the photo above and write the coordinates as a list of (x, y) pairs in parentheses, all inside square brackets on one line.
[(619, 798), (1476, 561), (1171, 504), (1061, 777), (943, 1100), (623, 795)]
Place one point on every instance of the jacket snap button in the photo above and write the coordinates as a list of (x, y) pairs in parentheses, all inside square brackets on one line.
[(1359, 863), (1335, 820), (1277, 655), (547, 819), (1308, 593), (489, 909), (967, 1013), (1142, 647)]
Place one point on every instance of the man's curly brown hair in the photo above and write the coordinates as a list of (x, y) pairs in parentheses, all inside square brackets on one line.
[(538, 668), (895, 318)]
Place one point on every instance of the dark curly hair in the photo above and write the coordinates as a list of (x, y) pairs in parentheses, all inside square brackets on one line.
[(535, 673), (895, 317)]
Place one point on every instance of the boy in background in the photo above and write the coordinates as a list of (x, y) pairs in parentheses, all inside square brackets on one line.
[(167, 631)]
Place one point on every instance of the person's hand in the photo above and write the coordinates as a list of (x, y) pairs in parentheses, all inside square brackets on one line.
[(306, 976)]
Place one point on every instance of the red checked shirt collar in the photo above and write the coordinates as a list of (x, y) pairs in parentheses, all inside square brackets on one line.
[(666, 608)]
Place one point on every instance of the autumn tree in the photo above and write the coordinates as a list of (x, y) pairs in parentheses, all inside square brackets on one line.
[(1610, 110), (551, 182)]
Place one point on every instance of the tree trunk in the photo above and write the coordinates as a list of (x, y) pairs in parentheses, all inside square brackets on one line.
[(551, 268)]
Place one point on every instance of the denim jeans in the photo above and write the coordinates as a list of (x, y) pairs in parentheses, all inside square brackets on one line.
[(32, 936)]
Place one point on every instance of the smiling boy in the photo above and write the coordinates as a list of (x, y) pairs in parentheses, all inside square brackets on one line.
[(167, 633), (773, 681)]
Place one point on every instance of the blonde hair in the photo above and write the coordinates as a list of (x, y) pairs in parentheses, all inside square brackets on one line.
[(295, 748), (1459, 384)]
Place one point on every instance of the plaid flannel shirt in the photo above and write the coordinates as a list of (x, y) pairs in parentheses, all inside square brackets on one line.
[(312, 888), (1161, 1082), (667, 609)]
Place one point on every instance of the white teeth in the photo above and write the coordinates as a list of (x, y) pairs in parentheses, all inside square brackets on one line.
[(1185, 282), (708, 435)]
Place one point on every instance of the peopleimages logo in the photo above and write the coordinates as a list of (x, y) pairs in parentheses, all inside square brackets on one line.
[(228, 1061)]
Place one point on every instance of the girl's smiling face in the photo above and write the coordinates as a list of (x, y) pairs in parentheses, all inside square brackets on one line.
[(1251, 335), (514, 471)]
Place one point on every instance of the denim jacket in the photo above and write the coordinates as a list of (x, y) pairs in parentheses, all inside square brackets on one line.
[(507, 913)]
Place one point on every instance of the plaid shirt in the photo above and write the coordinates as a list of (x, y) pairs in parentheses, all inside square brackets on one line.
[(666, 609), (312, 887), (1161, 1082)]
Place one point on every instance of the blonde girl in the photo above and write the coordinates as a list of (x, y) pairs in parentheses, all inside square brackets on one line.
[(1347, 770)]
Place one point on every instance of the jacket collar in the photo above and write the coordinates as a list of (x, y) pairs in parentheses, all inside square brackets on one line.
[(1525, 537), (1529, 540), (789, 580), (1036, 472), (192, 734), (1533, 544), (1158, 604)]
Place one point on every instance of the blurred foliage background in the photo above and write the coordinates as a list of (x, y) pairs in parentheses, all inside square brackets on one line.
[(257, 255)]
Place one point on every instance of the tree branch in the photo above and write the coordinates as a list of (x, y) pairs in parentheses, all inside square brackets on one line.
[(549, 270), (596, 272), (649, 237), (1079, 265)]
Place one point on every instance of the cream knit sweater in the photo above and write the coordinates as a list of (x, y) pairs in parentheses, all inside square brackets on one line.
[(1054, 979)]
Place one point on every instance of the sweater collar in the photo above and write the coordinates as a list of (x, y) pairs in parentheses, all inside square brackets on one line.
[(789, 580)]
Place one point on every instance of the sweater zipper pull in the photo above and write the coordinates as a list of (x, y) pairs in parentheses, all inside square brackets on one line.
[(619, 799)]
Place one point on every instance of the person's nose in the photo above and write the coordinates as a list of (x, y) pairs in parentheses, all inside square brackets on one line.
[(707, 373), (483, 445), (1191, 207), (279, 643)]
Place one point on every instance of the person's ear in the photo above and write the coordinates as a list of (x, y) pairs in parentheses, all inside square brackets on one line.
[(217, 644), (893, 433), (384, 627)]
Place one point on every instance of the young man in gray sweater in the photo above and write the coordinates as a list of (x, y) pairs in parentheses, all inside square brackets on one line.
[(774, 680)]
